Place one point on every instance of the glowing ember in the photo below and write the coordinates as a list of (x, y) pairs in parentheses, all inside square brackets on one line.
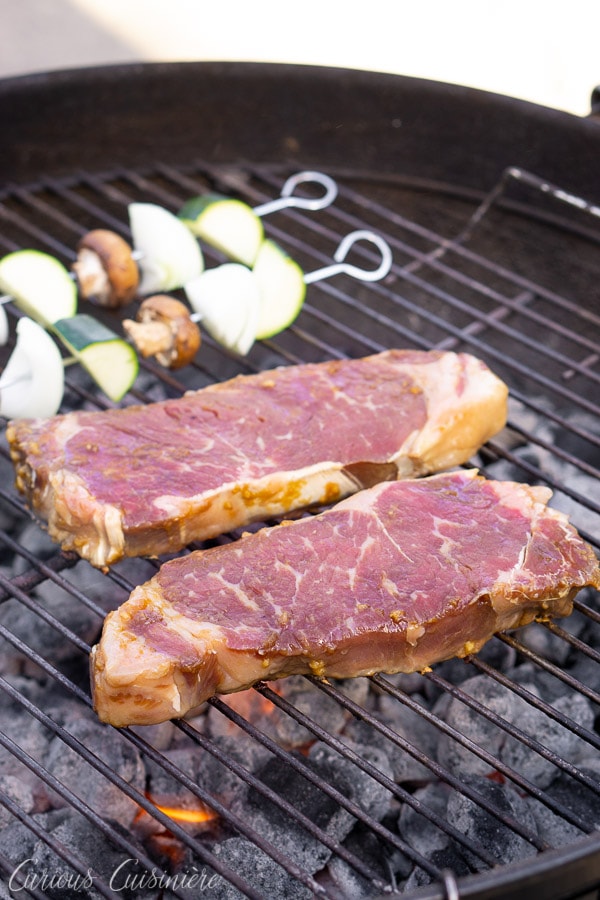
[(250, 704)]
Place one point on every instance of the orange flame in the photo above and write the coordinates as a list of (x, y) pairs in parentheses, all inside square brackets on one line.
[(191, 816), (198, 814)]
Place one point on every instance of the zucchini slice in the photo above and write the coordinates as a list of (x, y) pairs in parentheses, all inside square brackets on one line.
[(39, 284), (108, 358), (282, 289), (229, 225)]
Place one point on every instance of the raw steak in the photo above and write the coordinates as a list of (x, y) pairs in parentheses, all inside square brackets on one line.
[(395, 578), (146, 480)]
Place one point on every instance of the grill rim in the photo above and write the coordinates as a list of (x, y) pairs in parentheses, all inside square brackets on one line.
[(138, 101), (576, 868)]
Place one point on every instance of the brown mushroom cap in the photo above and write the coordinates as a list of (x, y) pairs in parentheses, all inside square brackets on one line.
[(105, 268), (164, 329)]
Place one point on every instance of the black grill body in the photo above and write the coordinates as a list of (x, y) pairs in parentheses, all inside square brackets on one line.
[(491, 208)]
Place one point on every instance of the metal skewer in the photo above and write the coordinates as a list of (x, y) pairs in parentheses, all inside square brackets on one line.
[(287, 198), (341, 267)]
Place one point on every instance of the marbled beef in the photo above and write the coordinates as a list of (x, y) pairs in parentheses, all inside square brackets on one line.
[(146, 480), (395, 578)]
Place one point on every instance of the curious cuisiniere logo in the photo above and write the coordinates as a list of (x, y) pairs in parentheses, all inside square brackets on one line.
[(128, 876)]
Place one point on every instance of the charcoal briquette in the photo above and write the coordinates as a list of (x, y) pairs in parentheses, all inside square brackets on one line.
[(30, 735), (230, 740), (18, 840), (484, 829), (21, 792), (557, 738), (580, 798), (417, 829), (417, 731), (357, 784), (105, 797), (545, 643), (470, 723), (257, 869), (284, 830), (554, 829), (158, 736), (42, 637), (316, 805), (386, 862), (100, 859)]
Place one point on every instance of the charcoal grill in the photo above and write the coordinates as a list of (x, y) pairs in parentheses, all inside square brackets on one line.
[(491, 208)]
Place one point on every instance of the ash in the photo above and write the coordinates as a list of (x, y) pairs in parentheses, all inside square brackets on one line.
[(353, 788)]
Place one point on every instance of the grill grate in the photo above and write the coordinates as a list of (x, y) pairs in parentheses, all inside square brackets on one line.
[(510, 277)]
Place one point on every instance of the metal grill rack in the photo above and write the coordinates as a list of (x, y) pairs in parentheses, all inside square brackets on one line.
[(509, 277)]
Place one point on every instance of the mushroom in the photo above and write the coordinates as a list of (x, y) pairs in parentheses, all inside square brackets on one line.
[(105, 268), (163, 328)]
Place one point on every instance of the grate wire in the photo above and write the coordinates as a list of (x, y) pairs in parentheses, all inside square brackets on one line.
[(441, 293)]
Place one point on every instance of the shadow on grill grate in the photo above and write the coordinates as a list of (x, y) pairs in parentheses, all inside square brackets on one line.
[(408, 783)]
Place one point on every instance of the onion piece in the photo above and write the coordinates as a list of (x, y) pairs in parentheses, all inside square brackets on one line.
[(33, 381), (227, 300), (169, 254), (3, 326)]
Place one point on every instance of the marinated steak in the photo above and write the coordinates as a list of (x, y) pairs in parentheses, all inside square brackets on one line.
[(146, 480), (395, 578)]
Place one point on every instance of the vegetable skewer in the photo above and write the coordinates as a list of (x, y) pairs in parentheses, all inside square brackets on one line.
[(234, 228), (108, 270), (238, 305), (47, 293), (32, 381)]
